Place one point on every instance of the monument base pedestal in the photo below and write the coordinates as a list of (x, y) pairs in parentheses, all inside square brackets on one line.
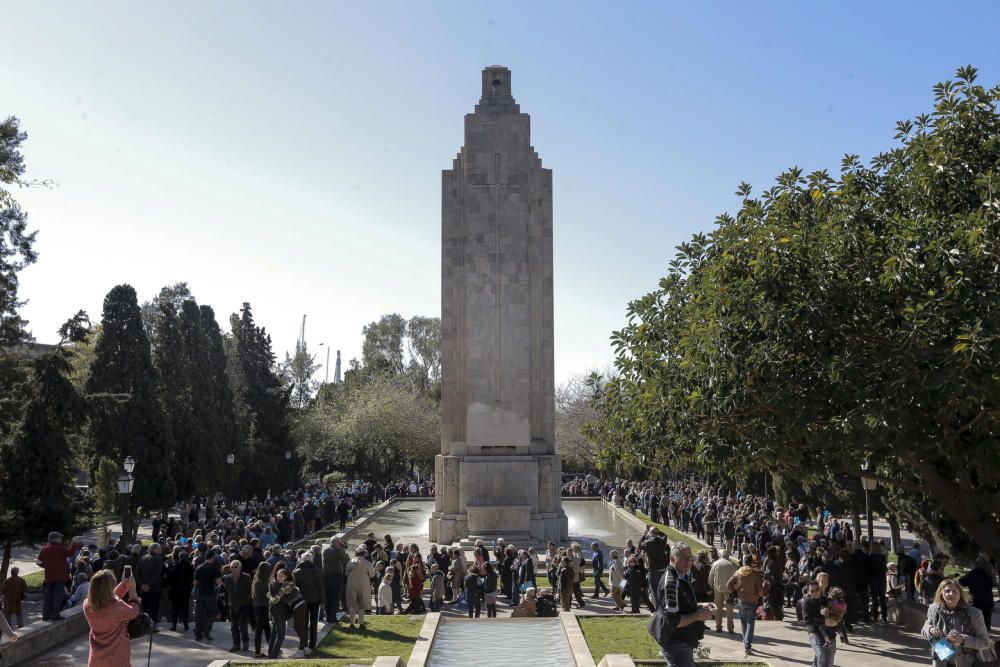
[(517, 498)]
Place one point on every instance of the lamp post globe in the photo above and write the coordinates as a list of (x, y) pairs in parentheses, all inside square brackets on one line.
[(125, 483), (230, 458), (868, 483), (129, 464)]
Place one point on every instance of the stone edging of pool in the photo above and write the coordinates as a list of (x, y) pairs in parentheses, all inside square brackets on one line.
[(574, 636)]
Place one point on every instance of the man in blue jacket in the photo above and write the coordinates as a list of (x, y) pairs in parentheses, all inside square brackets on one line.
[(597, 563)]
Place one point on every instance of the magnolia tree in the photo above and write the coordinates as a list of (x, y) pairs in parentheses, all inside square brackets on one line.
[(836, 320)]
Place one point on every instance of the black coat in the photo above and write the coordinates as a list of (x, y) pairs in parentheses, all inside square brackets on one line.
[(309, 580), (180, 579)]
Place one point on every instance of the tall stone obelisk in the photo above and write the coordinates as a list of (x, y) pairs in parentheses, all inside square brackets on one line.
[(498, 474)]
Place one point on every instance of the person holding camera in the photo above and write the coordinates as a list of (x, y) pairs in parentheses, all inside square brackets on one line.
[(54, 559), (108, 609)]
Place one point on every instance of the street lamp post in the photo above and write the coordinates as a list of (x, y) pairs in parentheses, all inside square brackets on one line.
[(869, 483), (125, 483), (230, 460)]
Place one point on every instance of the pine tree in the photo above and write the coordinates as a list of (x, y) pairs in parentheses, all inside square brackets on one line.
[(262, 406), (16, 243), (172, 358), (297, 374), (36, 489), (129, 419), (213, 397)]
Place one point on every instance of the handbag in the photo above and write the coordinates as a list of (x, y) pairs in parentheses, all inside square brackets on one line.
[(660, 628), (989, 656), (140, 626)]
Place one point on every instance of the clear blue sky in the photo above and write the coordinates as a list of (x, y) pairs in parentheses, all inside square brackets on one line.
[(289, 154)]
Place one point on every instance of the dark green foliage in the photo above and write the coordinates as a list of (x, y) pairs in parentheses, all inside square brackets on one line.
[(834, 320), (261, 404), (174, 295), (36, 488), (16, 243), (128, 417), (213, 396), (297, 374), (172, 359)]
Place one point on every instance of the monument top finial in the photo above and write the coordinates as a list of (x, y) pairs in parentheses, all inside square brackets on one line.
[(496, 87)]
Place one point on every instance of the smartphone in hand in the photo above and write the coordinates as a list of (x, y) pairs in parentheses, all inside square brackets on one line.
[(127, 573)]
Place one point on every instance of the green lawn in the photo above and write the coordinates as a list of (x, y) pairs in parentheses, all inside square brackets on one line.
[(673, 536), (34, 581), (610, 634), (386, 635)]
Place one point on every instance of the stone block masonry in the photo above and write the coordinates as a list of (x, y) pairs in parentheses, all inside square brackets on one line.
[(497, 365)]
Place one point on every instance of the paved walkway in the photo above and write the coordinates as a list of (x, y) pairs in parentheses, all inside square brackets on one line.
[(24, 557), (170, 649), (784, 644)]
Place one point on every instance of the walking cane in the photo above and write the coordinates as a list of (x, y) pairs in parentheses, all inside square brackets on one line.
[(149, 656)]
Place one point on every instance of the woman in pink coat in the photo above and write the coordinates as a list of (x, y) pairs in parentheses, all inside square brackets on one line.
[(108, 609)]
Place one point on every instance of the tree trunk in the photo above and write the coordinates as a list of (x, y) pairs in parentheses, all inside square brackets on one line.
[(958, 503), (856, 524), (5, 564), (894, 531)]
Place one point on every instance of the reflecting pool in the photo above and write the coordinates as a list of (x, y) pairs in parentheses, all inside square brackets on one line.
[(589, 521), (514, 641)]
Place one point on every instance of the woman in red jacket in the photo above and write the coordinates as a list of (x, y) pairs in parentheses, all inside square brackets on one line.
[(108, 609)]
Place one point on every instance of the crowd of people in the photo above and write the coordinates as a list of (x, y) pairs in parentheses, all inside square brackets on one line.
[(764, 558), (216, 561), (239, 565)]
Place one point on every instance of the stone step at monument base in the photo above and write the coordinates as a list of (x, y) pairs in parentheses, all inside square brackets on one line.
[(518, 539)]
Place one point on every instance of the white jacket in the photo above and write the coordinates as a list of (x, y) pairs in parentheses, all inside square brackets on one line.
[(385, 595), (615, 572)]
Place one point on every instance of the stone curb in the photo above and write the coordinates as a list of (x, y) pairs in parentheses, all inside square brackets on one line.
[(577, 642), (38, 637), (422, 647)]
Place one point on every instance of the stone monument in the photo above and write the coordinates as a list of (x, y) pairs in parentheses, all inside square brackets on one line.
[(498, 474)]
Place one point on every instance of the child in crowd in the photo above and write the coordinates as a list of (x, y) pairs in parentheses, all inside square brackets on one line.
[(833, 615), (385, 595)]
